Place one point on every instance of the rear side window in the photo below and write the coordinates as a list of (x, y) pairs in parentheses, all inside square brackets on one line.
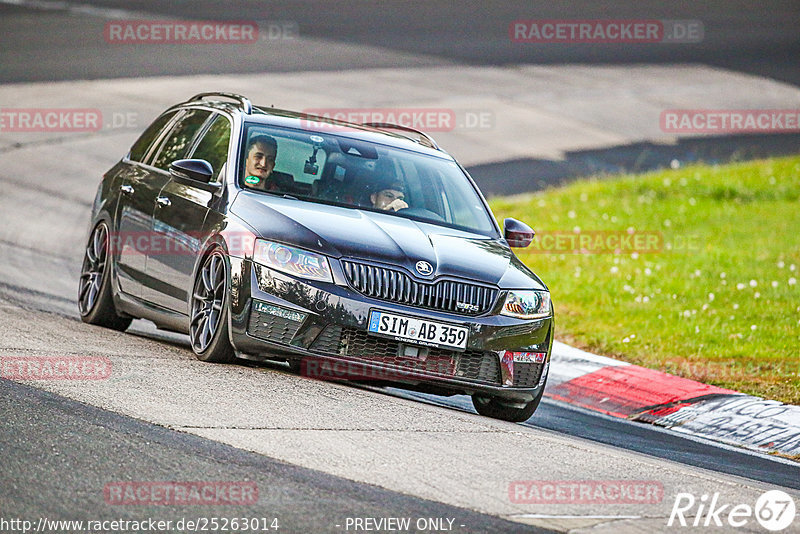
[(179, 139), (141, 146), (213, 147)]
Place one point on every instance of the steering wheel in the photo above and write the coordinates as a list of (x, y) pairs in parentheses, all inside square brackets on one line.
[(422, 213)]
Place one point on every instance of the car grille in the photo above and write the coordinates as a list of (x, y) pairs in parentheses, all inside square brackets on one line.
[(527, 375), (272, 328), (396, 286), (481, 366)]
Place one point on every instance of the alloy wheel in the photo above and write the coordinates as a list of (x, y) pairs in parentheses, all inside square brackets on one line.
[(94, 265), (208, 299)]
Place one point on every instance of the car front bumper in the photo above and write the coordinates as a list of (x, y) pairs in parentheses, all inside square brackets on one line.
[(324, 325)]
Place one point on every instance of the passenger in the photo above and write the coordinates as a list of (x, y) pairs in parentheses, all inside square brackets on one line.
[(389, 196), (260, 173)]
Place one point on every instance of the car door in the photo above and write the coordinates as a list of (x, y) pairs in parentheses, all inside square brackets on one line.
[(178, 219), (138, 189)]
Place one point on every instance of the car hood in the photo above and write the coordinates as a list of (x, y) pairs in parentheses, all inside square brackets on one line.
[(384, 238)]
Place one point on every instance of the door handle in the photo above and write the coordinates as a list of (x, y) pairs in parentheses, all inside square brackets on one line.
[(163, 202), (126, 189)]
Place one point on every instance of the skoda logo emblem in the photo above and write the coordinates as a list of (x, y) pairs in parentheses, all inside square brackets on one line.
[(424, 268)]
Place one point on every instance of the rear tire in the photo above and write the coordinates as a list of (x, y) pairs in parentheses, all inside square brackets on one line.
[(208, 330), (505, 409), (95, 301)]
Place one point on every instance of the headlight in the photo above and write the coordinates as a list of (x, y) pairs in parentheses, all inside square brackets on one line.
[(291, 260), (527, 304)]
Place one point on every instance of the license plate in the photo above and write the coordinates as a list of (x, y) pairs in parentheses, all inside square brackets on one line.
[(419, 331)]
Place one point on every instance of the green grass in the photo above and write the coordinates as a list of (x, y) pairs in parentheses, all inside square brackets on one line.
[(719, 303)]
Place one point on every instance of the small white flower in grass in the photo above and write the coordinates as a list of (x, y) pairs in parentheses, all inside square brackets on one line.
[(705, 307), (667, 223), (774, 283), (781, 265), (692, 201), (635, 256), (576, 229), (614, 218), (753, 283), (696, 329), (647, 271), (687, 313), (674, 164), (722, 275), (711, 296), (697, 272), (753, 327), (732, 317), (792, 281), (571, 214), (645, 299), (756, 295), (740, 286), (724, 282), (735, 306), (633, 336), (614, 269), (638, 298), (667, 182), (792, 267), (626, 340)]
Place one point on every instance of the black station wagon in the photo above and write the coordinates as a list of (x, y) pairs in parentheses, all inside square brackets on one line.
[(352, 251)]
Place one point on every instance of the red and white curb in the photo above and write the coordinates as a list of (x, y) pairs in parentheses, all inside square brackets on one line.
[(632, 392)]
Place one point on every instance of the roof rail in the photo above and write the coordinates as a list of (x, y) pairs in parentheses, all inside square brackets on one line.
[(244, 103), (424, 139)]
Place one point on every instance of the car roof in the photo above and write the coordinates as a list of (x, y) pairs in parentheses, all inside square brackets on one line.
[(392, 135)]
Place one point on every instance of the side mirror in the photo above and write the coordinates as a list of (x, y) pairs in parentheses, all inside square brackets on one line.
[(517, 234), (194, 172)]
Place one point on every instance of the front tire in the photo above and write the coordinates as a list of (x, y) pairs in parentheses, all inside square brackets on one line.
[(208, 330), (95, 301), (505, 409)]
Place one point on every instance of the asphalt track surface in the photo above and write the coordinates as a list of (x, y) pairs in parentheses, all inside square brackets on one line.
[(738, 35), (57, 452), (53, 470)]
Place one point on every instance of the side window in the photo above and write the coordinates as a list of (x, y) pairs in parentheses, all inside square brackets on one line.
[(179, 139), (139, 149), (214, 146)]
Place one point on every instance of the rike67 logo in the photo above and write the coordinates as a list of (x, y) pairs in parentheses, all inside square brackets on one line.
[(775, 510)]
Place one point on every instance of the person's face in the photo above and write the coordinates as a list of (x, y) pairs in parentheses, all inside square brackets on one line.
[(383, 198), (260, 160)]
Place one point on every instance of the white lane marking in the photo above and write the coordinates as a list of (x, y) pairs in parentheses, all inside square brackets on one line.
[(547, 516), (82, 9)]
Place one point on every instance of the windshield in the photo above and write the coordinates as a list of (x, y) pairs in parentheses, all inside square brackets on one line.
[(326, 168)]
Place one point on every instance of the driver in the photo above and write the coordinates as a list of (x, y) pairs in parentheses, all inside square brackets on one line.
[(260, 173), (389, 195)]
